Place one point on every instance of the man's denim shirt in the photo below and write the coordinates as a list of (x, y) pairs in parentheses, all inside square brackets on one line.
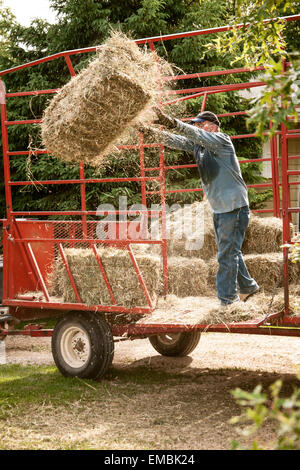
[(217, 162)]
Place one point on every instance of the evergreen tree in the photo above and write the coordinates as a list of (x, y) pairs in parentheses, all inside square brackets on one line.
[(83, 23)]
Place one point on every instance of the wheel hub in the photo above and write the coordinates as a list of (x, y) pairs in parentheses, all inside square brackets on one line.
[(169, 338), (75, 347)]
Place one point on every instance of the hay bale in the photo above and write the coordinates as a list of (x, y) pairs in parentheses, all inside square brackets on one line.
[(266, 269), (119, 270), (188, 276), (264, 235), (95, 108), (190, 232)]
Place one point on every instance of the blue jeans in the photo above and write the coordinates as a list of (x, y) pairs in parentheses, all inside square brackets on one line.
[(232, 275)]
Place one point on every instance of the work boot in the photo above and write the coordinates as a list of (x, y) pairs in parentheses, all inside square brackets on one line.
[(244, 297)]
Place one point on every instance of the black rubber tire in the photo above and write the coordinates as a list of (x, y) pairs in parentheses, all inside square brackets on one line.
[(176, 344), (87, 333)]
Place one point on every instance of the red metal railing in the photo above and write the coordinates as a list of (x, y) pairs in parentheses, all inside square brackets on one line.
[(26, 242)]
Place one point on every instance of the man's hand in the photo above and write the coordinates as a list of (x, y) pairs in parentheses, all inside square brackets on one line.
[(164, 119), (147, 131)]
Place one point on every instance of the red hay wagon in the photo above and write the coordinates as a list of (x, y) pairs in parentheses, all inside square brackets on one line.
[(82, 340)]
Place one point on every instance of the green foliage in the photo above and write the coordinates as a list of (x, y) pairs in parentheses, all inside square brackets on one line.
[(80, 24), (258, 408), (294, 256), (6, 21), (255, 37), (278, 100), (151, 12)]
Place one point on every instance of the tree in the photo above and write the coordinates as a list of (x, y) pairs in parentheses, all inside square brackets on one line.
[(83, 23), (7, 22)]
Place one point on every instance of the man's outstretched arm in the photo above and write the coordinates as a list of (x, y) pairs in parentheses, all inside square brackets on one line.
[(213, 141), (170, 140)]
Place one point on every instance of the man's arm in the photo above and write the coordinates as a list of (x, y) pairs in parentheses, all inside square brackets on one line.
[(170, 140), (213, 141)]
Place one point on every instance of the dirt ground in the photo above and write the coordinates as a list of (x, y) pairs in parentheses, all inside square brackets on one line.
[(193, 414)]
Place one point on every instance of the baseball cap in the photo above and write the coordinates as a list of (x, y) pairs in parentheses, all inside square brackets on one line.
[(206, 116)]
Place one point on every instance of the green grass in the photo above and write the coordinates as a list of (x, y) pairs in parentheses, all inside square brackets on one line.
[(31, 384), (24, 385), (41, 409), (48, 323), (131, 408)]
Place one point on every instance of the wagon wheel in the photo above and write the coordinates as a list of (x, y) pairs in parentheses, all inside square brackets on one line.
[(176, 344), (82, 345), (6, 321)]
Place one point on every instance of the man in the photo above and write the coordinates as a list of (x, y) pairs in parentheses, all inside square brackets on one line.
[(226, 192)]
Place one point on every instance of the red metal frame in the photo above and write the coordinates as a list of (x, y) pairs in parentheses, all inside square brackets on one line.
[(26, 236)]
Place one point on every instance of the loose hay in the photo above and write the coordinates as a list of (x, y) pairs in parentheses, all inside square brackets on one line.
[(119, 270), (96, 107), (206, 310)]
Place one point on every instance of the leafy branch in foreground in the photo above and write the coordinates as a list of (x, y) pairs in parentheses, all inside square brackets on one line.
[(296, 253), (259, 408), (277, 101), (256, 31)]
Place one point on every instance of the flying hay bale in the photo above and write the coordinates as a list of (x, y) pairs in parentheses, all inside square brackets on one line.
[(119, 270), (95, 108)]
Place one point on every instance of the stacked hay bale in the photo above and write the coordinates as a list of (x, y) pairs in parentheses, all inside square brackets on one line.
[(266, 269), (191, 273), (190, 232), (188, 277), (99, 105), (192, 267), (119, 270)]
